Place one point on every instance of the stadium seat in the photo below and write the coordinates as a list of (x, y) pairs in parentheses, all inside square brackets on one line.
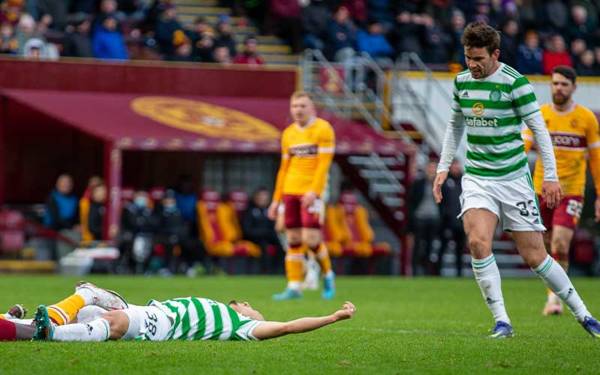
[(220, 230), (356, 218), (334, 231), (12, 231)]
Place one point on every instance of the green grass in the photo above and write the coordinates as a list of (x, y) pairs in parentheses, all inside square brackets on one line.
[(402, 326)]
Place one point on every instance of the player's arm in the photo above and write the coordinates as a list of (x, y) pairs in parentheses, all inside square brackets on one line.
[(593, 142), (325, 152), (270, 330), (454, 133), (278, 191), (526, 106)]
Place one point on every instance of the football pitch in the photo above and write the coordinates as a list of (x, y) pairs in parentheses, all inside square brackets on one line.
[(401, 326)]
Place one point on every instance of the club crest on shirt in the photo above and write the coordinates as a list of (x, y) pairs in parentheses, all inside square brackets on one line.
[(478, 109), (495, 95)]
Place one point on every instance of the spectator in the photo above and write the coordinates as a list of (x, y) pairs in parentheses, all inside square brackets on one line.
[(452, 229), (586, 64), (315, 17), (62, 214), (186, 201), (174, 236), (108, 42), (358, 11), (509, 44), (578, 46), (26, 29), (203, 41), (424, 219), (556, 16), (57, 11), (11, 12), (221, 55), (138, 226), (82, 6), (556, 54), (166, 26), (286, 23), (530, 55), (77, 41), (581, 25), (97, 212), (408, 33), (341, 36), (374, 43), (183, 48), (62, 205), (457, 25), (258, 228), (225, 35), (249, 56), (204, 47), (381, 11), (436, 41), (8, 42)]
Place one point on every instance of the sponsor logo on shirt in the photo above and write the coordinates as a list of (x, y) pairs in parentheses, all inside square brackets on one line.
[(481, 122), (303, 150), (568, 140), (478, 109)]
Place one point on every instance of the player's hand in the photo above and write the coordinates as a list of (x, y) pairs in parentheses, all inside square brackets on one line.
[(440, 178), (272, 211), (552, 193), (308, 199), (597, 209), (346, 312)]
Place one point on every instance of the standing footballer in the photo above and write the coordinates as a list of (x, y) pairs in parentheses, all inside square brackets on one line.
[(574, 132), (307, 149), (493, 100)]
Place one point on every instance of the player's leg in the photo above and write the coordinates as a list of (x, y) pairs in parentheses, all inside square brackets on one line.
[(312, 221), (480, 225), (531, 248), (111, 325), (314, 240), (12, 331), (86, 294), (294, 258), (559, 244)]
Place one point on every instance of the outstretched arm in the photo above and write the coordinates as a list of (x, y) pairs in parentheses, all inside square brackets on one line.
[(269, 330)]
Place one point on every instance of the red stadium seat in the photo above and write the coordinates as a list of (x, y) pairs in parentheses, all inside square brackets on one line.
[(219, 228), (12, 231)]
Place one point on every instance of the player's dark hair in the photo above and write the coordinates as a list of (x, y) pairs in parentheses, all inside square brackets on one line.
[(481, 35), (566, 71), (233, 302)]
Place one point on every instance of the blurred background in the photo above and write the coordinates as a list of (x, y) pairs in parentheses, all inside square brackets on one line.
[(142, 136)]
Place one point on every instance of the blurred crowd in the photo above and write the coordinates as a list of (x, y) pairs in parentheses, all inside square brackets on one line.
[(537, 35), (167, 231), (108, 29)]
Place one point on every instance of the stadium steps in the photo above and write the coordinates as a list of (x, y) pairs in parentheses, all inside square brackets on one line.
[(271, 48), (381, 180)]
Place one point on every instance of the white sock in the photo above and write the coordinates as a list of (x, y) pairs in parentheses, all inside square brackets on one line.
[(556, 279), (97, 330), (87, 295), (294, 285), (488, 278), (329, 274)]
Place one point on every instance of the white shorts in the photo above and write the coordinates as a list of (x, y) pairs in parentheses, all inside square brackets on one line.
[(514, 202), (147, 323)]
